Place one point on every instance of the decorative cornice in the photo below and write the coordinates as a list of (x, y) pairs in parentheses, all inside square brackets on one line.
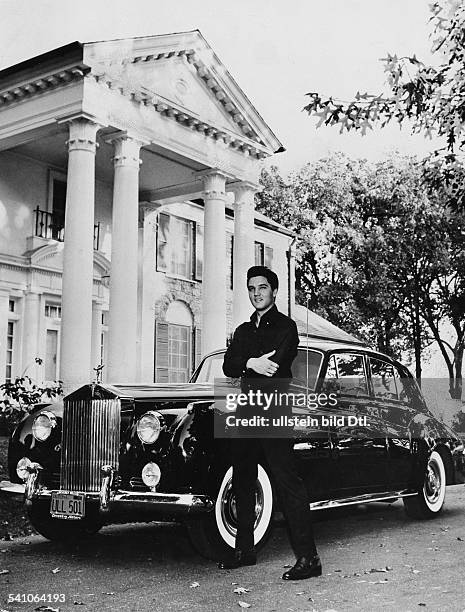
[(35, 87)]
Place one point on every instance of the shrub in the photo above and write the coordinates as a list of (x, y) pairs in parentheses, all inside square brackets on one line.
[(19, 397)]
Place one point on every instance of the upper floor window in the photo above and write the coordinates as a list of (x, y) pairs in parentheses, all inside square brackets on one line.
[(263, 255), (179, 246), (52, 311), (10, 339), (11, 305)]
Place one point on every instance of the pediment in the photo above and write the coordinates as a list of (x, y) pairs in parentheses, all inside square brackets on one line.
[(182, 70), (176, 81)]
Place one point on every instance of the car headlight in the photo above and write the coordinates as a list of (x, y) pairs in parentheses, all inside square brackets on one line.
[(151, 475), (22, 468), (43, 425), (148, 427)]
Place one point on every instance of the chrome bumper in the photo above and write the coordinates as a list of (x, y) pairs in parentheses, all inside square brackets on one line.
[(109, 502)]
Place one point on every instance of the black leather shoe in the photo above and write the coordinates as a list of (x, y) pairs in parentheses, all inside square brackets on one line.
[(239, 559), (305, 567)]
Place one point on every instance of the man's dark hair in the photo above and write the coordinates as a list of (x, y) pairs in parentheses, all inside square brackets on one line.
[(270, 276)]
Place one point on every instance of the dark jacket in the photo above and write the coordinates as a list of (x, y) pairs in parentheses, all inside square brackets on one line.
[(276, 332)]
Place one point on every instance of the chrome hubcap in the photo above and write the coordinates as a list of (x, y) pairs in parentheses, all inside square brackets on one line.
[(433, 482), (229, 511)]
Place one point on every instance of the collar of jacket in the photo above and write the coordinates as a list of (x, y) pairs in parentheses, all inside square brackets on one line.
[(268, 316)]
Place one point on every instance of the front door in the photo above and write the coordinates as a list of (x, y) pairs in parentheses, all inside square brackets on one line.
[(358, 433)]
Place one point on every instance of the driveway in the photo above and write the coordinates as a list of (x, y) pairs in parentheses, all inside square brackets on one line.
[(374, 558)]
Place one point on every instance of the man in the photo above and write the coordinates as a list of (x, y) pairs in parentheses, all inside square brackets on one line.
[(263, 349)]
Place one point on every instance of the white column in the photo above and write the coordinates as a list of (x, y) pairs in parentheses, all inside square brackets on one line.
[(96, 336), (214, 263), (147, 323), (30, 339), (244, 254), (78, 254), (122, 324)]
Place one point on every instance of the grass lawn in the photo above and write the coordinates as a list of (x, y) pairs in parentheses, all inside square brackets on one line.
[(13, 521)]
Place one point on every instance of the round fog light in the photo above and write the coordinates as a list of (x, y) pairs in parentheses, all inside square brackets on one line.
[(22, 468), (151, 475)]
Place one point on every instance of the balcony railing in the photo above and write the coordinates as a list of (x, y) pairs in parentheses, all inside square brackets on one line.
[(51, 226)]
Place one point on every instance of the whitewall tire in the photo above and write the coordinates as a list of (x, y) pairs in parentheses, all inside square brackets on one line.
[(214, 535), (429, 501)]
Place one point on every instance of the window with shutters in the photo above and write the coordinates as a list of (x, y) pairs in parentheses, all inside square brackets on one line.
[(179, 247), (263, 255), (161, 353), (10, 338), (259, 254), (230, 259)]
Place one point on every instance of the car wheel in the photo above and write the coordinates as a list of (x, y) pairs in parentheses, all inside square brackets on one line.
[(214, 535), (429, 501), (59, 530)]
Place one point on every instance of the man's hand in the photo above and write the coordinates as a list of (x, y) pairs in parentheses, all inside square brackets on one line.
[(263, 365)]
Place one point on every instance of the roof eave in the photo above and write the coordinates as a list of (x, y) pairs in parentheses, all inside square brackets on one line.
[(71, 53)]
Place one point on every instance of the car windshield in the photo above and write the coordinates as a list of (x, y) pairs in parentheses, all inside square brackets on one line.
[(305, 367)]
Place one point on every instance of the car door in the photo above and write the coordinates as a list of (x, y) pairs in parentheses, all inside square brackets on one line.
[(312, 446), (358, 433)]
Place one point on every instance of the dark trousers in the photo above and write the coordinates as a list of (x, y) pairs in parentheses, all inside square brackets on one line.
[(291, 490)]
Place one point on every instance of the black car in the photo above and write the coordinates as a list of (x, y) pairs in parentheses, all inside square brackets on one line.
[(128, 453)]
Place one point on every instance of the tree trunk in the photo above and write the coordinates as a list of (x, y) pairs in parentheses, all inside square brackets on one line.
[(417, 337), (456, 392)]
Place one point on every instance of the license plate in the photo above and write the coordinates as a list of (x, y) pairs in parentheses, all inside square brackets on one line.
[(68, 505)]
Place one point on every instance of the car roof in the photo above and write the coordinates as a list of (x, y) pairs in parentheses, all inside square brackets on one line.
[(327, 345)]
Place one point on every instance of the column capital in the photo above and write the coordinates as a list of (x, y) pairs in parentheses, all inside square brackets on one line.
[(214, 183), (127, 149), (82, 134), (244, 187)]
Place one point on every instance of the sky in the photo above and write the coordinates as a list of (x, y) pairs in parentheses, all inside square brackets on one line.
[(277, 51)]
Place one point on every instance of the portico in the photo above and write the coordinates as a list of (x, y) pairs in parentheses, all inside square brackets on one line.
[(136, 124)]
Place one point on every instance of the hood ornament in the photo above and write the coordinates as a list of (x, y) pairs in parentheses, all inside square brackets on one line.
[(98, 373)]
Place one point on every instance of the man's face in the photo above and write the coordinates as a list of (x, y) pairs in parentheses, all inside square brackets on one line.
[(261, 295)]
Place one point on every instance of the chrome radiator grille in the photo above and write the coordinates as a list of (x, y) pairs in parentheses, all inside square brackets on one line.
[(91, 438)]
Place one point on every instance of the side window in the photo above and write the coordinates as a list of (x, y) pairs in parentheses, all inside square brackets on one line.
[(409, 392), (346, 374), (382, 377), (351, 374)]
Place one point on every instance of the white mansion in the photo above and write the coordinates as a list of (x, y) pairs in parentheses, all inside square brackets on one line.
[(127, 177)]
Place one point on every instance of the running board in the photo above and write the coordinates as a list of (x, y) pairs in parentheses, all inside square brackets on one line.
[(360, 499)]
